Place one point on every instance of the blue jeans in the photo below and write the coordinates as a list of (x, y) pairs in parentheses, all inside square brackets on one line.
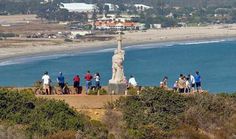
[(88, 85), (97, 84)]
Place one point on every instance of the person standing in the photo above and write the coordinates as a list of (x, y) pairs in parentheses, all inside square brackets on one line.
[(187, 85), (175, 86), (61, 81), (46, 83), (198, 81), (165, 82), (132, 81), (88, 78), (97, 80), (76, 80), (192, 82), (181, 84)]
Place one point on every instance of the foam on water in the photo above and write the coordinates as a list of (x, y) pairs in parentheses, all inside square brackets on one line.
[(30, 59)]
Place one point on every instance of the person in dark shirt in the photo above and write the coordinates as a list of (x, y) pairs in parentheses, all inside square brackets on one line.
[(76, 80)]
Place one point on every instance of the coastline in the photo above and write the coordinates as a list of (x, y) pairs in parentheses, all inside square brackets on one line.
[(187, 34)]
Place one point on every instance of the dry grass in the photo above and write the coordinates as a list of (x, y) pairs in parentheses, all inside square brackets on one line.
[(25, 24), (13, 43)]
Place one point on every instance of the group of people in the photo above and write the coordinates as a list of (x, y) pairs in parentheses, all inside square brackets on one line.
[(185, 84), (46, 80)]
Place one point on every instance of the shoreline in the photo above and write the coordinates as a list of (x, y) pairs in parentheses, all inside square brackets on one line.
[(69, 52), (175, 35)]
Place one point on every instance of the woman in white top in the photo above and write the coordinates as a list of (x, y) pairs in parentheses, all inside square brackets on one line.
[(97, 80)]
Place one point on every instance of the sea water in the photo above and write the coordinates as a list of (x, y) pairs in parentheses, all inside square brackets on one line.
[(149, 63)]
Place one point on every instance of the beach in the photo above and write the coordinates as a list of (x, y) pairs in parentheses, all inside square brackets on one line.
[(16, 47)]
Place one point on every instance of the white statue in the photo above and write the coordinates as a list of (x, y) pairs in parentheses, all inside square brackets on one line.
[(117, 65)]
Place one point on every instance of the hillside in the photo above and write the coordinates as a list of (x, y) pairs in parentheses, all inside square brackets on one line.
[(153, 114)]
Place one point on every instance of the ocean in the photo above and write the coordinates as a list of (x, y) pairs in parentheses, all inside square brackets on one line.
[(149, 63)]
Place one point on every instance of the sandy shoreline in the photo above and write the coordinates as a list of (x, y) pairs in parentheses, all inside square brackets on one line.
[(130, 38)]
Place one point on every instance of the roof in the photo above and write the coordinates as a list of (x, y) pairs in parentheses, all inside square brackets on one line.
[(145, 6), (78, 7), (112, 24)]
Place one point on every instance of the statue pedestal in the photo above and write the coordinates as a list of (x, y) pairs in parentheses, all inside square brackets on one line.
[(117, 88)]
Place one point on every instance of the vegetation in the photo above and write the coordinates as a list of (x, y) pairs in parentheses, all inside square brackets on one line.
[(101, 91), (169, 13), (6, 35), (154, 113), (157, 113), (42, 118)]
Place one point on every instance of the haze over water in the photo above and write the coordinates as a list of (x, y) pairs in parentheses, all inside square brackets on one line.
[(149, 63)]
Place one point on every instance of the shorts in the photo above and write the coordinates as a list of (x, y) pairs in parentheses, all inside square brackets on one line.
[(193, 85), (198, 84)]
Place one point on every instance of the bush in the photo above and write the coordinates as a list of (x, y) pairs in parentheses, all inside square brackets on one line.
[(95, 92), (5, 35), (92, 92), (158, 113), (43, 117), (132, 91), (103, 92)]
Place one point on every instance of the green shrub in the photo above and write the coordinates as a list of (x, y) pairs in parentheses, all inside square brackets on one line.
[(43, 117), (103, 91), (132, 91), (5, 35), (92, 92), (95, 92), (158, 113)]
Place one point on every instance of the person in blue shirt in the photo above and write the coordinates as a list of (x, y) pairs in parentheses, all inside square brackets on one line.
[(61, 80), (198, 81)]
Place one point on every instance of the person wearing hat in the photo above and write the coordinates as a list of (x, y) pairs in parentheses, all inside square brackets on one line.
[(46, 83)]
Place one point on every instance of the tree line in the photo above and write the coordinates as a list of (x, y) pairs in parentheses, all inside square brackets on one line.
[(166, 12)]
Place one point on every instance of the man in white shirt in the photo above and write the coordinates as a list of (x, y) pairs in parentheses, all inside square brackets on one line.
[(46, 83), (192, 82), (132, 81)]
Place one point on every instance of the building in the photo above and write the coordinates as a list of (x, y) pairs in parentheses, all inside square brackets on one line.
[(141, 7), (113, 25), (79, 7), (46, 1), (112, 7)]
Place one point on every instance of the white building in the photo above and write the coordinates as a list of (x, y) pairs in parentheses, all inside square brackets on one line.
[(46, 1), (141, 7), (112, 7), (79, 32), (79, 7)]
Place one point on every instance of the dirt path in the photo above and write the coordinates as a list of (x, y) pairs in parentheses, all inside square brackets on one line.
[(90, 105), (84, 101)]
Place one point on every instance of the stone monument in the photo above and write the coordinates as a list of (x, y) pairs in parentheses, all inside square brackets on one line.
[(117, 84)]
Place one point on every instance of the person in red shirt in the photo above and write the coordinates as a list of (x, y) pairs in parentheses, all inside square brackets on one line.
[(76, 80), (88, 78)]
